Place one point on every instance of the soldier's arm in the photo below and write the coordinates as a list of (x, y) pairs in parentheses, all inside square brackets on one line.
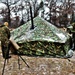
[(8, 32)]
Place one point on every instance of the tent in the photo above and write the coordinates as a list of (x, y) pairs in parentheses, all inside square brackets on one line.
[(44, 40)]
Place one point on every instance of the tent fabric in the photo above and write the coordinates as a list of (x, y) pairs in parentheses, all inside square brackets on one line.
[(45, 39), (43, 31)]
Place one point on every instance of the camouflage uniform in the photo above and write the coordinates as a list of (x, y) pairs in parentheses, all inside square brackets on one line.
[(4, 38), (73, 34)]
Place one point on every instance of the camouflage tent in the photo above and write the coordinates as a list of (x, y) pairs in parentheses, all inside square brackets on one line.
[(44, 40)]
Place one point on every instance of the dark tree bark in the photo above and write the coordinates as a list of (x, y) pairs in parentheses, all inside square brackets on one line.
[(9, 20)]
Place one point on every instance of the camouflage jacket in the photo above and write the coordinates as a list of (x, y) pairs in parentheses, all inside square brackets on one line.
[(4, 34)]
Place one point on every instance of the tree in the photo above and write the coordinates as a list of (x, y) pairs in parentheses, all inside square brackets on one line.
[(8, 3), (64, 8)]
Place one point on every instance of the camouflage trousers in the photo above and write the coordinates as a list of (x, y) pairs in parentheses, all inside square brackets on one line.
[(5, 50)]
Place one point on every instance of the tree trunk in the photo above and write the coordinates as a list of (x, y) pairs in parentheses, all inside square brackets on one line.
[(9, 20)]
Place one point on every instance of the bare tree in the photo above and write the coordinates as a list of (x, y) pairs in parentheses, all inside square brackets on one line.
[(8, 3), (64, 10)]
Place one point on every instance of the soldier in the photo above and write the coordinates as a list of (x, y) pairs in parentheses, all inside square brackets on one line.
[(73, 35), (4, 38)]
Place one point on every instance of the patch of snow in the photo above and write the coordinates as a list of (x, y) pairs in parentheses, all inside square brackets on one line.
[(46, 2), (48, 39), (69, 15), (25, 36), (19, 2), (46, 9), (39, 1), (48, 18), (40, 13), (57, 14), (2, 6), (73, 1), (61, 36), (1, 17), (57, 9), (13, 14), (58, 3), (69, 54)]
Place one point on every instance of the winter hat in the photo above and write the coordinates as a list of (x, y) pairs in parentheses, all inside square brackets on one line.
[(6, 23)]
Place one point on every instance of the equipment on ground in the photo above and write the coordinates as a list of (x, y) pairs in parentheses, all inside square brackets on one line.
[(17, 47)]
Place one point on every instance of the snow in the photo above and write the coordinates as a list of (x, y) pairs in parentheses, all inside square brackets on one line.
[(40, 13), (13, 14), (19, 13), (46, 9), (49, 39), (69, 15), (46, 2), (70, 53), (61, 36), (39, 1), (2, 6), (58, 4), (1, 17), (73, 1)]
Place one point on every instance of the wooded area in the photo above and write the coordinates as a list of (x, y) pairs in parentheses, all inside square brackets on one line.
[(58, 12)]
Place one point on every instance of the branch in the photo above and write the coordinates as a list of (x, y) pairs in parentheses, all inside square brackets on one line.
[(15, 2), (7, 3)]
